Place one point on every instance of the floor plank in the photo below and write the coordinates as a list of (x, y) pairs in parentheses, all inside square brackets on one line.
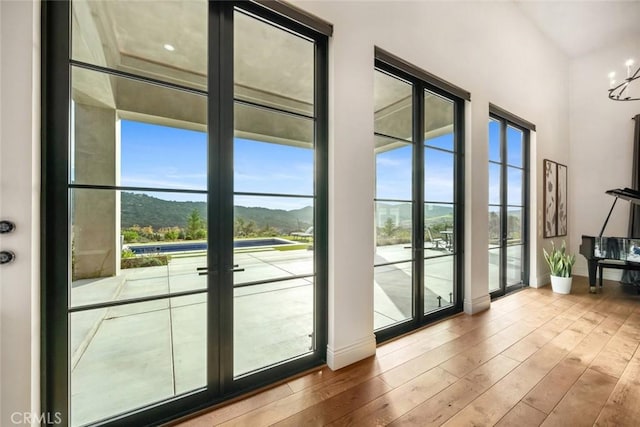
[(584, 401), (548, 392), (399, 401), (522, 415), (613, 359), (442, 406), (339, 405), (243, 406), (623, 406), (464, 363)]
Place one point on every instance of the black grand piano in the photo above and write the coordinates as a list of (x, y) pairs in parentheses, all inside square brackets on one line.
[(611, 252)]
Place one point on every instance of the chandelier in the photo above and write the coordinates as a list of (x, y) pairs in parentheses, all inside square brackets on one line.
[(622, 91)]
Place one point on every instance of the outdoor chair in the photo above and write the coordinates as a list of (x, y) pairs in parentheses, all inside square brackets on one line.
[(307, 234), (435, 241)]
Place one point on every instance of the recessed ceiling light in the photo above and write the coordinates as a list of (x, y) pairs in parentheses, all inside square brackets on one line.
[(629, 62), (169, 47), (612, 74)]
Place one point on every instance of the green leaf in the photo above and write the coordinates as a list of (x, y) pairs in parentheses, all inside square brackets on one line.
[(560, 263)]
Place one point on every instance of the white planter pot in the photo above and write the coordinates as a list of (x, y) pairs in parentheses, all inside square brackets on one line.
[(561, 285)]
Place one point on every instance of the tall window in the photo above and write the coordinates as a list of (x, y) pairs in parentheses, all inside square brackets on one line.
[(508, 202), (418, 143), (189, 152)]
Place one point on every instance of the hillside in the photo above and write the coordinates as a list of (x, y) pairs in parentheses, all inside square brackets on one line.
[(144, 210), (402, 212)]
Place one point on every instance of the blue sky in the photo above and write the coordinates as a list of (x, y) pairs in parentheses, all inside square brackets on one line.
[(514, 158), (160, 156), (514, 144), (394, 172)]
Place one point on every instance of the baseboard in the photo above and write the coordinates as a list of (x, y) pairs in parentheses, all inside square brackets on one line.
[(477, 305), (540, 281), (339, 358)]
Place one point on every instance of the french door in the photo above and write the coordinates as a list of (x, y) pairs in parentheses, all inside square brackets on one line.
[(508, 205), (185, 205), (419, 194)]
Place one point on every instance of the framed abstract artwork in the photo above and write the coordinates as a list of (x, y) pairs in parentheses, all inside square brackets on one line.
[(550, 198), (555, 199), (561, 200)]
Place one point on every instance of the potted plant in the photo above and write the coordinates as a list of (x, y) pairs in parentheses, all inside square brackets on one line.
[(560, 264)]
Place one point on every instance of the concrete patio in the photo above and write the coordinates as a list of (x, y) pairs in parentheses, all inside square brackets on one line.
[(128, 356)]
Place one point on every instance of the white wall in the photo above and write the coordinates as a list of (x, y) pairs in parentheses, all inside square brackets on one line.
[(487, 48), (601, 146), (19, 202)]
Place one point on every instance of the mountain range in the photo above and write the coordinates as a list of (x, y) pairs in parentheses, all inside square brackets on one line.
[(145, 210)]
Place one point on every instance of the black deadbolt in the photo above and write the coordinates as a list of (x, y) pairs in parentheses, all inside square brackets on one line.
[(7, 227), (7, 257)]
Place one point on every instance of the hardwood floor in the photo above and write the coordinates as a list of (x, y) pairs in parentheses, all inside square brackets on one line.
[(535, 358)]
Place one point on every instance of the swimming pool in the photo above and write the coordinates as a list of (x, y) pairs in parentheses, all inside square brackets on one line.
[(201, 246)]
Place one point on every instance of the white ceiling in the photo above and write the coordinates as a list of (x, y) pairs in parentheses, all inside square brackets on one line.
[(579, 27)]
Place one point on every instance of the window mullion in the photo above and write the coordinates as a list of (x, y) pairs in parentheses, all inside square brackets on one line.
[(418, 200), (503, 203)]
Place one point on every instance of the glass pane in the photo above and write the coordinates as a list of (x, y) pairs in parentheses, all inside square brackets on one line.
[(494, 184), (132, 244), (167, 41), (161, 156), (494, 269), (514, 265), (260, 124), (514, 187), (393, 106), (393, 169), (272, 67), (515, 139), (265, 167), (494, 226), (494, 141), (438, 176), (392, 294), (438, 283), (393, 232), (439, 233), (515, 227), (438, 121), (272, 323), (126, 357), (109, 149), (273, 237)]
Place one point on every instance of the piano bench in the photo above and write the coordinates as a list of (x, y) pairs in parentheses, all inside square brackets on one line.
[(620, 265)]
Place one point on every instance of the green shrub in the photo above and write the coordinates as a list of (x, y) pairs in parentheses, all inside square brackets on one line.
[(171, 234), (128, 253), (145, 261), (130, 236)]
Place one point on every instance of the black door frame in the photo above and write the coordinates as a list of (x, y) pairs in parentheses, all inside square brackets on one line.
[(55, 222), (423, 81), (506, 119)]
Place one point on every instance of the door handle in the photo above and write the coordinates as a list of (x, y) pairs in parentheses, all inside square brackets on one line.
[(204, 271)]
